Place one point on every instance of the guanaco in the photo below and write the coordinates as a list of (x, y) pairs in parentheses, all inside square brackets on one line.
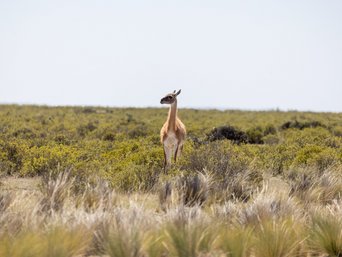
[(173, 132)]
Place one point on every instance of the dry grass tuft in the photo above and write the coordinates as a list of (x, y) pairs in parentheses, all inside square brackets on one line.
[(277, 238), (236, 241), (185, 190), (55, 191), (55, 242), (189, 240), (326, 234), (269, 206), (97, 195), (5, 200)]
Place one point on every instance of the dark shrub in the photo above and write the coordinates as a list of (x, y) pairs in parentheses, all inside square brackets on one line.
[(109, 136), (88, 110), (228, 132), (252, 136), (61, 139), (302, 125)]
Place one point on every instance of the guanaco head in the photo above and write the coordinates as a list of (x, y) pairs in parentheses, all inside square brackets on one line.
[(170, 98)]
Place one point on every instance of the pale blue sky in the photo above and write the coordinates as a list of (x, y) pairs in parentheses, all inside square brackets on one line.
[(222, 54)]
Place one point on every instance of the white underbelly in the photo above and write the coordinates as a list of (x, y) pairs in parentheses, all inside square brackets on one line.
[(171, 140)]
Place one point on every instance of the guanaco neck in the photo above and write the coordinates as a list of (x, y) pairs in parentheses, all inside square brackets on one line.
[(172, 117)]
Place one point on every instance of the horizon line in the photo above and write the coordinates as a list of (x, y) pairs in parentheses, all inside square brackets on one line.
[(226, 108)]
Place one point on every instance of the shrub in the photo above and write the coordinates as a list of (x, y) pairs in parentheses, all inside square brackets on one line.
[(138, 131), (255, 135), (11, 156), (62, 139), (214, 157), (277, 159), (306, 154), (42, 160), (337, 131), (25, 133), (269, 130), (325, 159), (302, 124), (317, 157), (271, 139), (83, 130), (228, 132), (88, 110), (109, 136)]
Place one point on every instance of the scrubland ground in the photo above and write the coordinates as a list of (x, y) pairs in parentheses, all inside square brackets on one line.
[(88, 182)]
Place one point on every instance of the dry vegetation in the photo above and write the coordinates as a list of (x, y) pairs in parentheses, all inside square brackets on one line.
[(88, 182)]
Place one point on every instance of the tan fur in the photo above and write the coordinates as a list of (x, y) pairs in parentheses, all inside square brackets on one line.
[(179, 131), (173, 132)]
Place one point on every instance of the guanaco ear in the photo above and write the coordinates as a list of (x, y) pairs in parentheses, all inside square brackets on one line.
[(174, 91), (179, 91)]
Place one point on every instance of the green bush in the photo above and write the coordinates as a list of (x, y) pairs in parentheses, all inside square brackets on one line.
[(42, 160), (12, 156)]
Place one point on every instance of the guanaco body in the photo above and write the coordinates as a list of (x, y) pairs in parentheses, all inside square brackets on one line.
[(173, 132)]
